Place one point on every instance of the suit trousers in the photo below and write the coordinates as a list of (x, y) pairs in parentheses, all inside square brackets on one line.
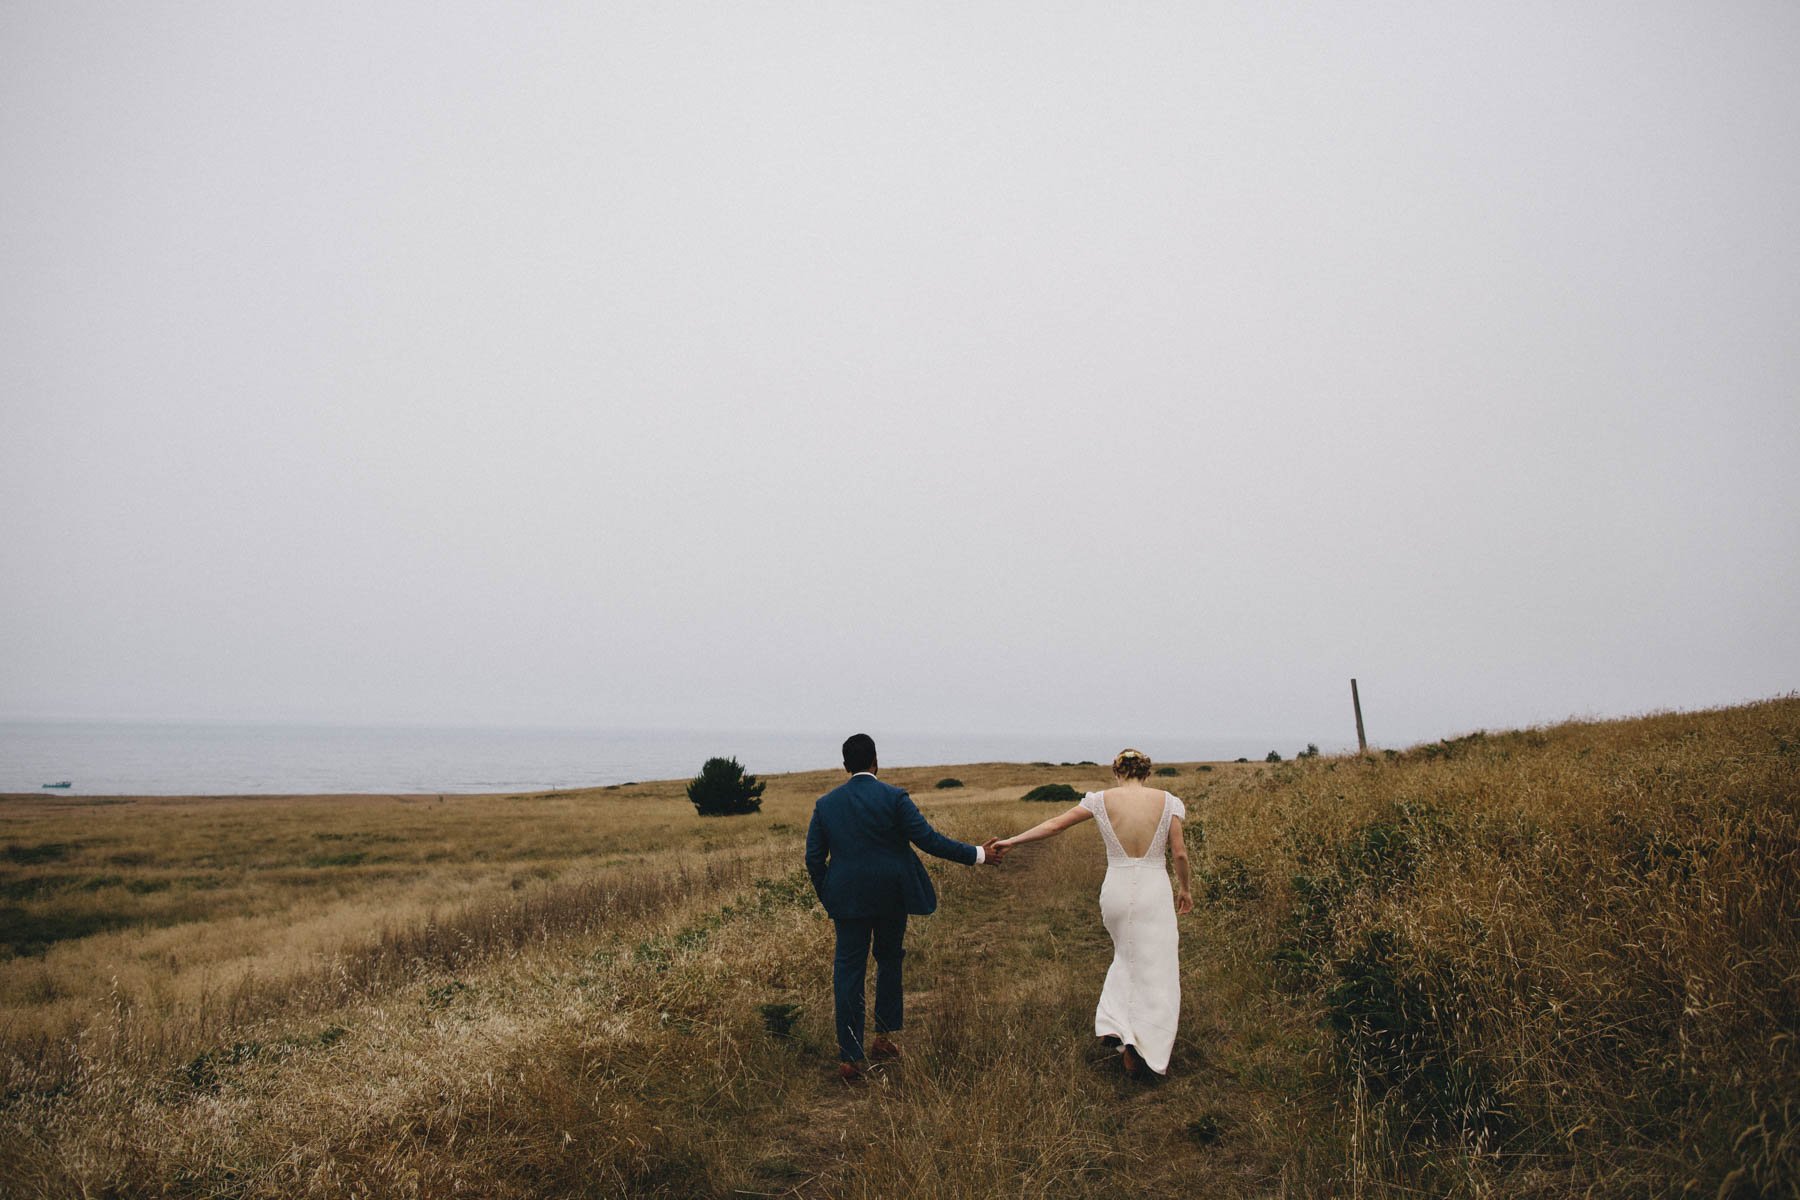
[(850, 967)]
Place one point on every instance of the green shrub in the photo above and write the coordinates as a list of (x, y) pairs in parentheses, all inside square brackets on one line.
[(1230, 880), (1205, 1129), (1311, 751), (1394, 1012), (1272, 756), (723, 790), (1374, 859), (949, 783), (1054, 793), (1167, 771), (779, 1019)]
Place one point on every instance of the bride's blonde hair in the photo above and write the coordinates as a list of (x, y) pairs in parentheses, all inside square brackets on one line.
[(1132, 764)]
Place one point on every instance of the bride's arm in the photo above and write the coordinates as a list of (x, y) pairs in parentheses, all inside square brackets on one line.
[(1050, 828), (1184, 898)]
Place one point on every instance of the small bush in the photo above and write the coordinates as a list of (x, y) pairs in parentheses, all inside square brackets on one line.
[(723, 790), (1167, 771), (1311, 751), (949, 783), (1273, 756), (1245, 760), (1205, 1129), (1208, 766), (779, 1019), (1053, 793)]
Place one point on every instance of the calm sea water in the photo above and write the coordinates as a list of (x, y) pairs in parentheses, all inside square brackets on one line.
[(207, 758)]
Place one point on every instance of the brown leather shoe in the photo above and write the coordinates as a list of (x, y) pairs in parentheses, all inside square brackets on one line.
[(849, 1072), (1134, 1066), (881, 1048)]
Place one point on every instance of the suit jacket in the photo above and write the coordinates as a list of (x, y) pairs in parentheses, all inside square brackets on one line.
[(858, 852)]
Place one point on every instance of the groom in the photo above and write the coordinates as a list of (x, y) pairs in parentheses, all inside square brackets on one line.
[(869, 880)]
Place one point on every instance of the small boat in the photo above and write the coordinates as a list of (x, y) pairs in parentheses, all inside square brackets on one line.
[(61, 784)]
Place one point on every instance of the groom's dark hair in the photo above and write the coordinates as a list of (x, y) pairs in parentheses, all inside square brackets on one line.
[(859, 752)]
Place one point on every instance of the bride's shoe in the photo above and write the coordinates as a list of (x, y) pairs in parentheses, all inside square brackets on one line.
[(1134, 1066)]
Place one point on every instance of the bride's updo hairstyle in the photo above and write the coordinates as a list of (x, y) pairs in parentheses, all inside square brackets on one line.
[(1132, 764)]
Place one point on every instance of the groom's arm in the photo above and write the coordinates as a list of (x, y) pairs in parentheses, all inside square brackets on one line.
[(818, 853), (920, 833)]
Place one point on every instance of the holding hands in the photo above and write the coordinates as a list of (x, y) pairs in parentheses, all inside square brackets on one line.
[(997, 849)]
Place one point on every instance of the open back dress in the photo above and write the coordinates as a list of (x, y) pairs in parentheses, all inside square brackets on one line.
[(1141, 1000)]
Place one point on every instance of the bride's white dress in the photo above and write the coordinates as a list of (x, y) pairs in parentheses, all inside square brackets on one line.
[(1141, 1001)]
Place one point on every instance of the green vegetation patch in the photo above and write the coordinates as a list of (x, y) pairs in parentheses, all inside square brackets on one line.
[(25, 855), (1053, 793), (779, 1019), (348, 858), (1395, 1013), (1228, 880), (26, 934), (445, 994)]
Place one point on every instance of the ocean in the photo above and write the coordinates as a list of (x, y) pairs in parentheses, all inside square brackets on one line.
[(170, 758)]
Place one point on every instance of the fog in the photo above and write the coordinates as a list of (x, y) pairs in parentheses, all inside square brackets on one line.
[(961, 367)]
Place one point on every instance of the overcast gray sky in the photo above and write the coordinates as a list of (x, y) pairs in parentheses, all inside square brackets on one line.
[(960, 366)]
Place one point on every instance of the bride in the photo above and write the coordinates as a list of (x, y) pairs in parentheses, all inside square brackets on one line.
[(1141, 1001)]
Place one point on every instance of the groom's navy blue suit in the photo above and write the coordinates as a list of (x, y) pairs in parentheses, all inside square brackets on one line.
[(859, 854)]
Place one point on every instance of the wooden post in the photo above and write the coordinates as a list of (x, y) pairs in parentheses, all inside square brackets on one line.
[(1356, 703)]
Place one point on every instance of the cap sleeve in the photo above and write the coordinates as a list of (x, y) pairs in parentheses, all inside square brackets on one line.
[(1177, 809), (1091, 802)]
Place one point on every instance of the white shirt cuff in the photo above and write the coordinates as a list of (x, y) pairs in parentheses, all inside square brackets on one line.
[(980, 856)]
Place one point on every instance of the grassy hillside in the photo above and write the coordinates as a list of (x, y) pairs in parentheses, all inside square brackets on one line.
[(1540, 963)]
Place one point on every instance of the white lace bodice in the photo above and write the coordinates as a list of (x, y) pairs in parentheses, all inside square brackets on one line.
[(1095, 802)]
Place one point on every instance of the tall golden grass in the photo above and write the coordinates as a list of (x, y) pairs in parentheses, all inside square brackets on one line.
[(1550, 962), (1558, 961)]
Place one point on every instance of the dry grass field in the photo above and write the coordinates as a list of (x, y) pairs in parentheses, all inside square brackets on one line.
[(1545, 963)]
